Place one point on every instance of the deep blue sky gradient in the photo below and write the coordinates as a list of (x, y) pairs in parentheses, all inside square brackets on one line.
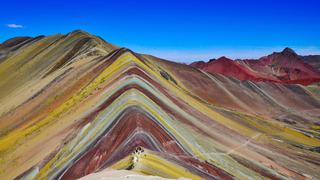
[(179, 30)]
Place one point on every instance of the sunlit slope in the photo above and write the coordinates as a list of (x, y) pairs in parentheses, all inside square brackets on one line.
[(24, 73), (42, 56), (120, 110)]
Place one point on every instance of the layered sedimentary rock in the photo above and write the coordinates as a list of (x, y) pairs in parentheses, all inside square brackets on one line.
[(73, 105)]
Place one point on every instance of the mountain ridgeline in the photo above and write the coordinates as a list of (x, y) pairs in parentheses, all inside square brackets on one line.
[(75, 105)]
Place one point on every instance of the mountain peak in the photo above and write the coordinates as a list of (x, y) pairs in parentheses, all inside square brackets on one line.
[(223, 58), (288, 51), (80, 32)]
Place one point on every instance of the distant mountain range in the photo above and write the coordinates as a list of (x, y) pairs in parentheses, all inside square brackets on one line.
[(73, 106), (280, 67)]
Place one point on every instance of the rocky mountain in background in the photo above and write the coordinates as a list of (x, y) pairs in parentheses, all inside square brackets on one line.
[(280, 67)]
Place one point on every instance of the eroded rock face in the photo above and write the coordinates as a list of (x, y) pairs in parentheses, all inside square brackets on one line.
[(73, 105)]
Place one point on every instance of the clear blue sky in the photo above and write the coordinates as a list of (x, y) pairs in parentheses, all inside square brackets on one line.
[(178, 30)]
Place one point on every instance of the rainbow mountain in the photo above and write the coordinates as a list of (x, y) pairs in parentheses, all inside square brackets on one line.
[(75, 106)]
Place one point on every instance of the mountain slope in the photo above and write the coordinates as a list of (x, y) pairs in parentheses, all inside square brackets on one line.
[(122, 110), (29, 64)]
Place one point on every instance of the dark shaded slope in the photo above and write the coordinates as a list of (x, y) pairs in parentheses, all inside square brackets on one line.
[(313, 60)]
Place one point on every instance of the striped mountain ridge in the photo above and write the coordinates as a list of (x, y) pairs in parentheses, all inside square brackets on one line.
[(67, 116)]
